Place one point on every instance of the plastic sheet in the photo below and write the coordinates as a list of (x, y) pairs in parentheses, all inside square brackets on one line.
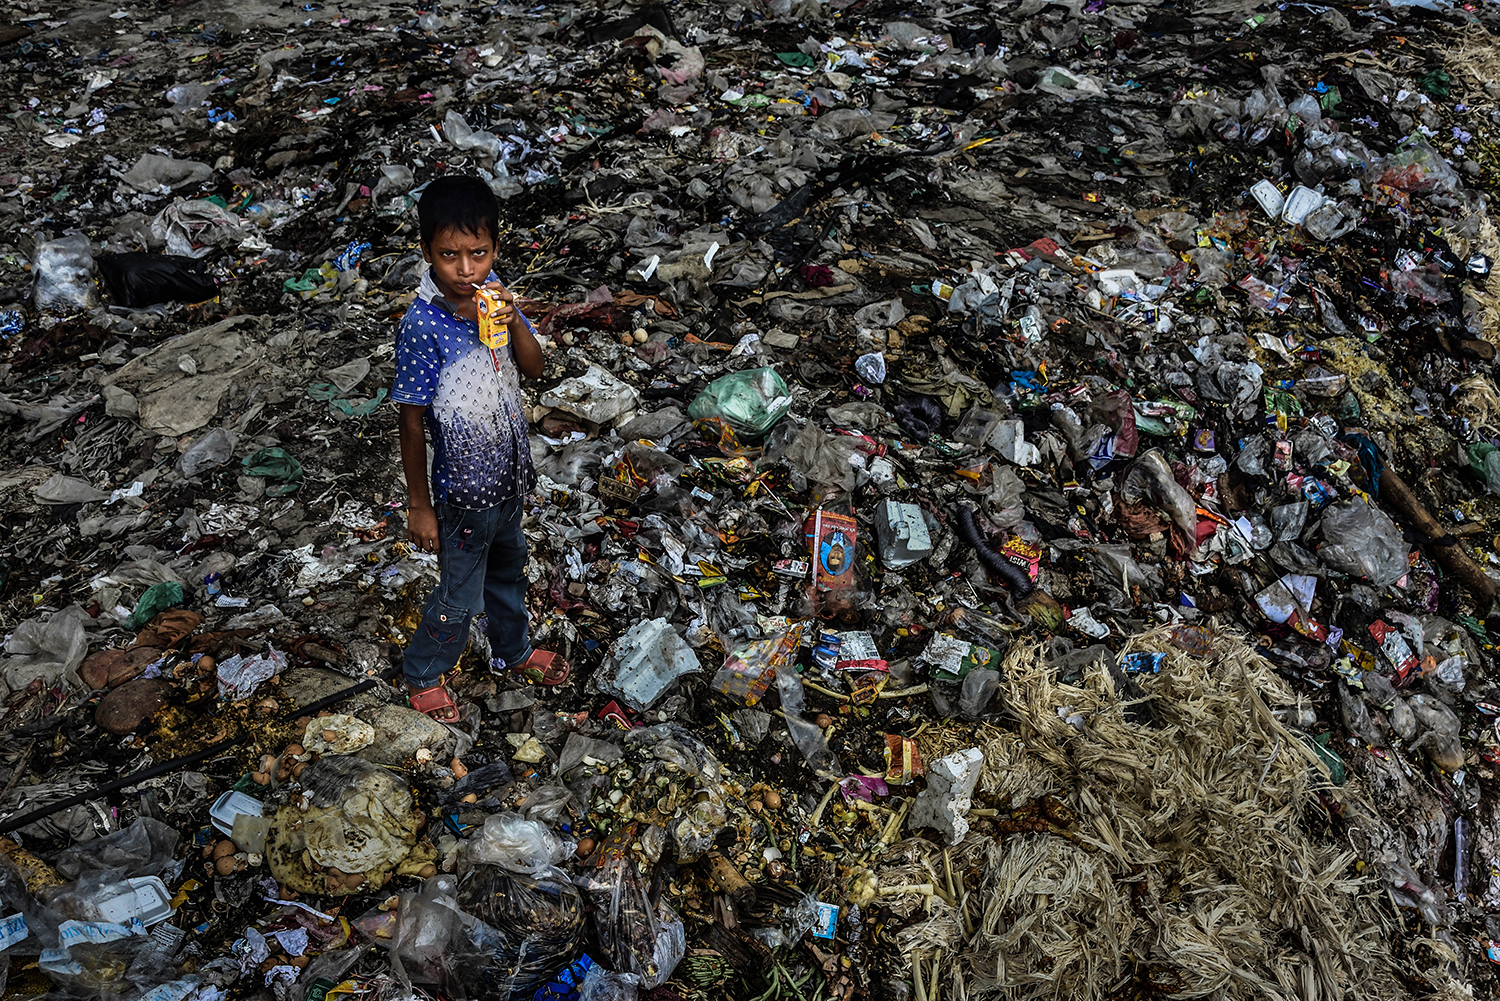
[(511, 842)]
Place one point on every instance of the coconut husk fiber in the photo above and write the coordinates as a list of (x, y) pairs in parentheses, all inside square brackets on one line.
[(1189, 860)]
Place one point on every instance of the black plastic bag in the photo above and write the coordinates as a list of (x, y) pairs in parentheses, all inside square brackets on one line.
[(532, 926), (147, 279)]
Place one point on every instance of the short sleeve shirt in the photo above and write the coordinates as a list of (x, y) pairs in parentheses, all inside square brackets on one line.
[(475, 414)]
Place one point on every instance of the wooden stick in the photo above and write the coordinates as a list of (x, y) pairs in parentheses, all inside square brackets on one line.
[(1452, 557)]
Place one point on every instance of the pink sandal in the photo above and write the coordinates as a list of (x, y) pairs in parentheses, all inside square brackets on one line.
[(436, 702), (544, 667)]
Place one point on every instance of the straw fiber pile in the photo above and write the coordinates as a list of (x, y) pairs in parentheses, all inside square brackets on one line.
[(1189, 859)]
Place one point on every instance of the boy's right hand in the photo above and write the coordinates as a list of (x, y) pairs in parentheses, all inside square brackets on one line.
[(422, 528)]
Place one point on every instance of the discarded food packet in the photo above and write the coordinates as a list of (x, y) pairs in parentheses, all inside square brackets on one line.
[(348, 260), (791, 569), (826, 650), (827, 922), (1137, 663), (951, 658), (831, 539), (749, 670), (1394, 647), (903, 762), (492, 333), (858, 652), (1083, 621)]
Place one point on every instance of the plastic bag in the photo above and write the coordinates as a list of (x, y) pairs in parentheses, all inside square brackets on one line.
[(434, 940), (49, 649), (600, 984), (977, 695), (1064, 83), (749, 670), (147, 279), (211, 451), (694, 826), (64, 275), (529, 927), (26, 927), (919, 416), (638, 940), (512, 842), (356, 818), (144, 848), (808, 738), (1415, 166), (750, 402), (1358, 539), (152, 172), (1150, 480), (822, 458), (275, 464)]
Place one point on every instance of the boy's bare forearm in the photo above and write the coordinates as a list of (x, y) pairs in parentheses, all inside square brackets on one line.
[(414, 456), (528, 353)]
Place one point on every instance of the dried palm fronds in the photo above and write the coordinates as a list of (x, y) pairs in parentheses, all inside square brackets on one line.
[(1190, 869)]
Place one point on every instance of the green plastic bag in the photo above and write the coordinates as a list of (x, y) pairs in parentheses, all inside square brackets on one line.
[(275, 464), (750, 402), (1338, 773), (157, 599)]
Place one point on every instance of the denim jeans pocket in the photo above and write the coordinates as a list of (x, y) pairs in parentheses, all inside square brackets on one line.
[(448, 624)]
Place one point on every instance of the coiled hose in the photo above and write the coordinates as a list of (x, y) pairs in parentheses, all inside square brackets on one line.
[(996, 563)]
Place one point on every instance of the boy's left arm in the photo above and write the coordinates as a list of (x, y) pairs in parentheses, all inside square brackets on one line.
[(523, 345)]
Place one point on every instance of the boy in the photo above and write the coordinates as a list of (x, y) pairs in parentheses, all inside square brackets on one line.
[(469, 398)]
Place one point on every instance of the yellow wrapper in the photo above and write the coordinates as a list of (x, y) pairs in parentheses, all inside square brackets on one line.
[(492, 333)]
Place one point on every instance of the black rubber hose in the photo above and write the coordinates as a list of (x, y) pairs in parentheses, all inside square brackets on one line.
[(996, 563), (212, 750)]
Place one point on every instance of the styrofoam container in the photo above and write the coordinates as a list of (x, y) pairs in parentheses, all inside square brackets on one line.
[(150, 902), (1300, 203), (230, 805), (1269, 197)]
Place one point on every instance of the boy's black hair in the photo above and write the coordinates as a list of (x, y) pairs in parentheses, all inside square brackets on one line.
[(461, 202)]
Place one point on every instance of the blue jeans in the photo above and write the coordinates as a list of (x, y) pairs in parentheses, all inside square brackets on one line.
[(482, 560)]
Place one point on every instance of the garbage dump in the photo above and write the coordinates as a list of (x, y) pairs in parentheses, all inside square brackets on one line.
[(1008, 505)]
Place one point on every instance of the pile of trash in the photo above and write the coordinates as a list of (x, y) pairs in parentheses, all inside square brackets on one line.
[(1017, 489)]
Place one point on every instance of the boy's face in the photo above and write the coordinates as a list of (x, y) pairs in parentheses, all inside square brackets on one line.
[(460, 261)]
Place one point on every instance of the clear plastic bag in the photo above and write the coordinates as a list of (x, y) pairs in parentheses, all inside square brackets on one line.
[(638, 939), (430, 938), (1358, 539), (512, 842), (210, 451), (749, 670), (144, 848), (808, 738), (749, 402), (64, 275), (977, 696), (695, 825), (823, 459), (600, 984)]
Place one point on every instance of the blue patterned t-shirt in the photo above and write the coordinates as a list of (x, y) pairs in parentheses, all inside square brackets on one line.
[(475, 415)]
